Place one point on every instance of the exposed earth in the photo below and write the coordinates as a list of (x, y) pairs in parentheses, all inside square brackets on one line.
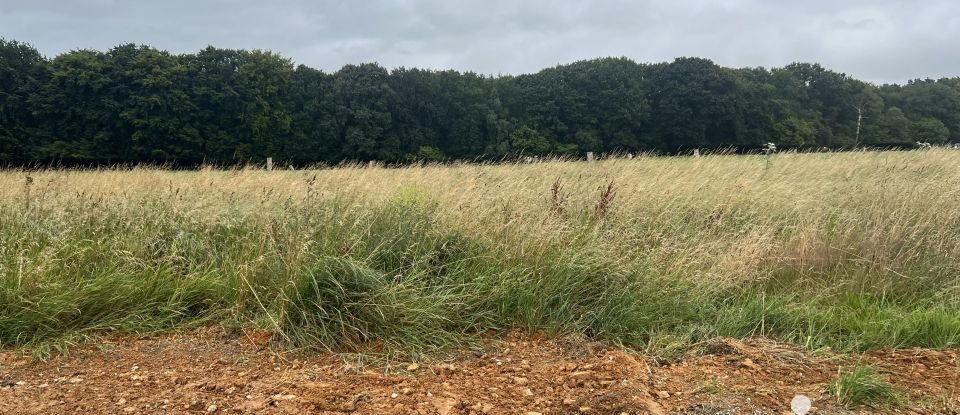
[(211, 371)]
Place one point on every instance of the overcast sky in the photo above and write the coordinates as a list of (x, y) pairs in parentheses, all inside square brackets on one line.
[(875, 40)]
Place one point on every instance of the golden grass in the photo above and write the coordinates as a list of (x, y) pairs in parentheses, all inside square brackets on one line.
[(877, 222), (728, 217)]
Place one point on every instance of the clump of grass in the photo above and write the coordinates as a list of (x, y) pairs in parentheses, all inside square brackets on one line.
[(862, 386), (712, 386)]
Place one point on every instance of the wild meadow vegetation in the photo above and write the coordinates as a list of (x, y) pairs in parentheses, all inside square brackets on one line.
[(851, 251), (861, 385)]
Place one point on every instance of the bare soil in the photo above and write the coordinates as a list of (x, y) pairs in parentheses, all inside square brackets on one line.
[(211, 371)]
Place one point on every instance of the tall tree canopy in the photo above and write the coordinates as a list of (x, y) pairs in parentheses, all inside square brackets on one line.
[(135, 103)]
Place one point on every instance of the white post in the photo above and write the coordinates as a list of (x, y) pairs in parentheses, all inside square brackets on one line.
[(590, 156), (696, 152), (269, 163)]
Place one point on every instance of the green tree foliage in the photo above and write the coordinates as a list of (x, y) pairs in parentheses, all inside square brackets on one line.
[(22, 72), (928, 98), (526, 140), (363, 98), (929, 130), (793, 132), (135, 103), (592, 105), (693, 104), (427, 153), (153, 106), (314, 134), (891, 128)]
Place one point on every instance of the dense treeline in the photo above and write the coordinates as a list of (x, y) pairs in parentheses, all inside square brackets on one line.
[(135, 103)]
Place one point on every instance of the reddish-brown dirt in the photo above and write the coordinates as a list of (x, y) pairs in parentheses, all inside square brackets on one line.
[(208, 371)]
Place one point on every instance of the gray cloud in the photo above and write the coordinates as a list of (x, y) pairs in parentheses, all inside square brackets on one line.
[(879, 40)]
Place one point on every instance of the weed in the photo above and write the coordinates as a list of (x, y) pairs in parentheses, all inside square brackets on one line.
[(712, 387), (557, 198), (607, 193), (862, 386), (27, 185)]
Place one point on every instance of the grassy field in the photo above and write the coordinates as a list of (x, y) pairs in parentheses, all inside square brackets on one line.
[(850, 251)]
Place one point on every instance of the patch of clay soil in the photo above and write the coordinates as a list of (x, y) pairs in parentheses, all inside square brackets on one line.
[(211, 372)]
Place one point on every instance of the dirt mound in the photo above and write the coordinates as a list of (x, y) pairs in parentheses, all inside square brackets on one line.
[(210, 372)]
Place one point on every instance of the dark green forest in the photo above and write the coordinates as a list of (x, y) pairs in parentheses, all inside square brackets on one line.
[(137, 104)]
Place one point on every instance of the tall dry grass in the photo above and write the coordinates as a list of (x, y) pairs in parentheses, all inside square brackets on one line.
[(847, 250)]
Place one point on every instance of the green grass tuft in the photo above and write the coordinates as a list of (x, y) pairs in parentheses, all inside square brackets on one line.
[(862, 386)]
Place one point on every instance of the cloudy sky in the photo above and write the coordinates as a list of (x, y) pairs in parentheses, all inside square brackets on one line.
[(875, 40)]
